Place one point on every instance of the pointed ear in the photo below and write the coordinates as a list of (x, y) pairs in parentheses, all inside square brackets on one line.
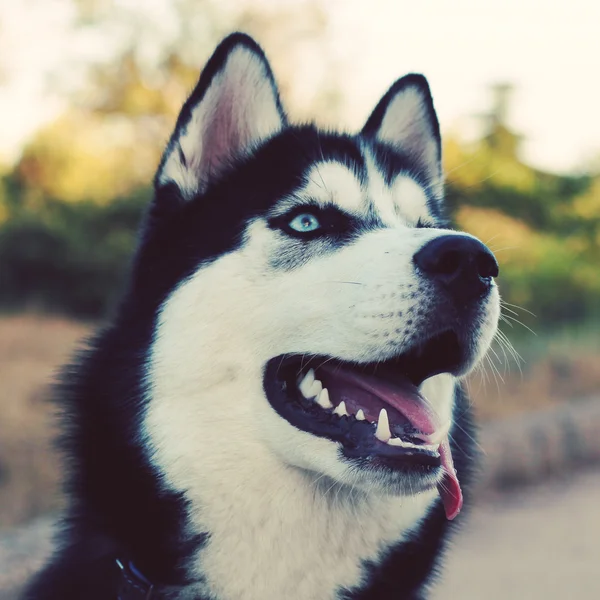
[(405, 119), (233, 108)]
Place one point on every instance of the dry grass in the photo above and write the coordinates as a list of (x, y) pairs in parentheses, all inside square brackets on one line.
[(33, 347), (547, 381), (557, 367)]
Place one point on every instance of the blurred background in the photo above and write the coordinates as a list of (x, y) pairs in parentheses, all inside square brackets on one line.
[(89, 92)]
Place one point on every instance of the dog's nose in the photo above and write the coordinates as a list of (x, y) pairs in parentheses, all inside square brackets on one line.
[(460, 263)]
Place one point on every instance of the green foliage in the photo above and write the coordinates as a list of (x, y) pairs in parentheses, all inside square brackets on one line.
[(70, 206), (547, 240), (544, 228), (71, 255), (68, 257)]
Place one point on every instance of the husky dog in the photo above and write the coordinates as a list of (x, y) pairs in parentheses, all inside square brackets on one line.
[(275, 412)]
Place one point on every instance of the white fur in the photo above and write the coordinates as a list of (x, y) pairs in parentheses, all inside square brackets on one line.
[(238, 110), (333, 183), (276, 531), (287, 517), (410, 198), (438, 390), (380, 194)]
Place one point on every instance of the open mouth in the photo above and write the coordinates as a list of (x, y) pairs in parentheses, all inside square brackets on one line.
[(375, 410)]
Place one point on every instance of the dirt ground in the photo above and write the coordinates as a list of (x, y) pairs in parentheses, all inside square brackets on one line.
[(537, 544), (31, 350)]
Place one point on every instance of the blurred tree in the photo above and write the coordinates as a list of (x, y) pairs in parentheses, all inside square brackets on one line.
[(544, 227), (494, 159), (109, 142), (69, 207), (4, 202), (75, 196), (69, 257)]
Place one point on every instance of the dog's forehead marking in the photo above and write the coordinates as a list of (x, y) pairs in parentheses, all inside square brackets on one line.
[(331, 182), (409, 199), (379, 194), (403, 202)]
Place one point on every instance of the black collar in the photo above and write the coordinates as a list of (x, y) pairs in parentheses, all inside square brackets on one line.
[(132, 584)]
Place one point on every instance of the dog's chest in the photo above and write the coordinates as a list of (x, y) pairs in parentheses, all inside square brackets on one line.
[(300, 545)]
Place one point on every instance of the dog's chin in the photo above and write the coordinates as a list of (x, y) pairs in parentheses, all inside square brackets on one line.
[(392, 479), (389, 435)]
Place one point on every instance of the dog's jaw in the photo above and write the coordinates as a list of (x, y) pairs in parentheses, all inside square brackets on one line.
[(275, 530)]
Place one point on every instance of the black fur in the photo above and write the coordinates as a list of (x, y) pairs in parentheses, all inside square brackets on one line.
[(118, 507)]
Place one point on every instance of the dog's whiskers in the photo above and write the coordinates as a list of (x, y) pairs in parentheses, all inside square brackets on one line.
[(508, 319)]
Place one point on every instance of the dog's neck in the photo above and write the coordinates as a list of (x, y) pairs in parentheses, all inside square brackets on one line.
[(274, 530)]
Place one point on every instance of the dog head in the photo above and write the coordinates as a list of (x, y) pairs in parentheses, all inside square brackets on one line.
[(309, 297)]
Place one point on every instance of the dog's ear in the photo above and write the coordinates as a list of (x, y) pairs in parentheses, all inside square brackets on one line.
[(234, 107), (405, 120)]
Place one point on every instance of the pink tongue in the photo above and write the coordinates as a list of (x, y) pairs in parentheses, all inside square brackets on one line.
[(449, 488), (403, 396)]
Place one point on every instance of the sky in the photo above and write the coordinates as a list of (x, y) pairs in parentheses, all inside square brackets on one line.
[(549, 50)]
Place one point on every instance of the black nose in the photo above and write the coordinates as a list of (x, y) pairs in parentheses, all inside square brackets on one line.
[(460, 263)]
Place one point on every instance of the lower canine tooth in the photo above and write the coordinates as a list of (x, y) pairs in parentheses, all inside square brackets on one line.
[(340, 409), (403, 444), (360, 415), (306, 384), (398, 442), (383, 433), (323, 399)]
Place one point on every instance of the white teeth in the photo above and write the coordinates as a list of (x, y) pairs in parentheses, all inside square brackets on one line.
[(360, 415), (340, 409), (399, 442), (396, 442), (403, 444), (315, 389), (323, 399), (432, 447), (383, 433), (306, 384)]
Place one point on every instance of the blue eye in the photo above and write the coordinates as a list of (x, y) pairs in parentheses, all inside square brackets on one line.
[(304, 223)]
